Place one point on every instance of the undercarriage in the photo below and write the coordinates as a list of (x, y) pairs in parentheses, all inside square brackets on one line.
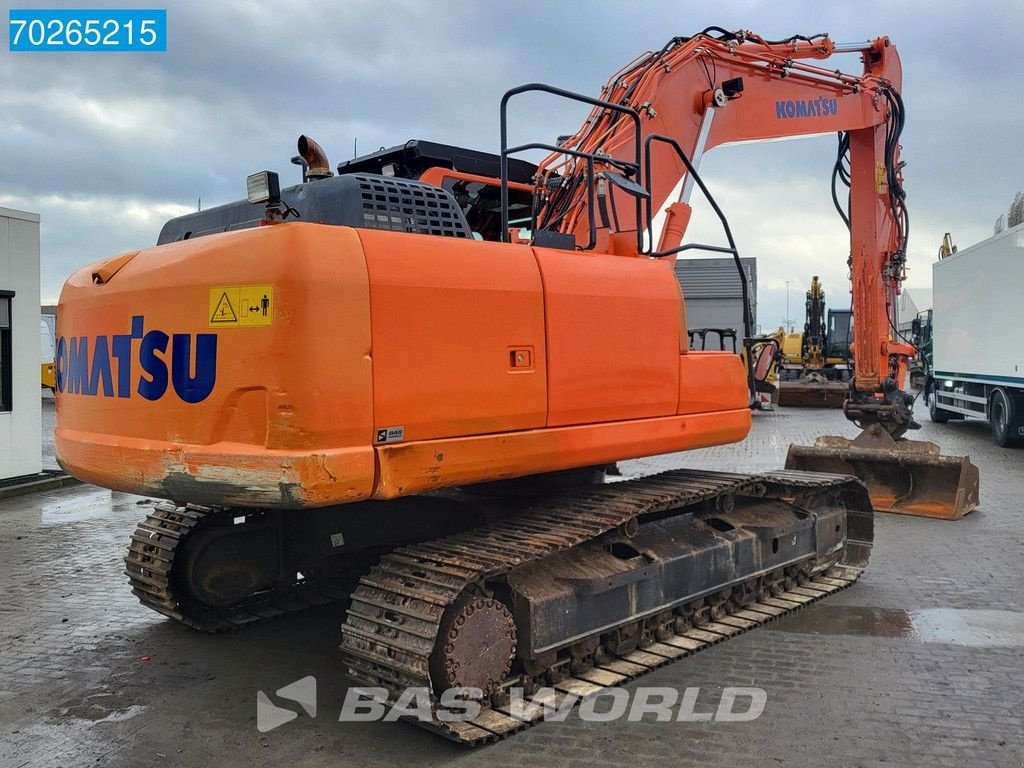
[(578, 590)]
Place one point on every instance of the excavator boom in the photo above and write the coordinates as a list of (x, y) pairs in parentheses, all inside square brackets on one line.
[(706, 91), (760, 89)]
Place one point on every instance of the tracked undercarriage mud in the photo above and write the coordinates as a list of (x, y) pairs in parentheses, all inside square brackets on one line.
[(587, 589), (594, 589), (220, 568), (158, 568)]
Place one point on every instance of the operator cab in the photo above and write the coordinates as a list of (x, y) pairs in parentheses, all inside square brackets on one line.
[(840, 333)]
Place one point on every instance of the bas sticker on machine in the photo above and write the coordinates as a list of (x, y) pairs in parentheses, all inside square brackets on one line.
[(241, 305), (390, 435)]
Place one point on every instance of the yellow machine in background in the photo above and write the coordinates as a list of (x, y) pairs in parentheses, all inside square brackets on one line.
[(792, 343), (47, 367), (947, 248), (816, 365)]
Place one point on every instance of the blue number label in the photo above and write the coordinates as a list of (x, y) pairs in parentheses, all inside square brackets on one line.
[(87, 30)]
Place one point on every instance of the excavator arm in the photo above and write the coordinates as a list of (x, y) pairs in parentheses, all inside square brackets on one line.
[(813, 342), (723, 87)]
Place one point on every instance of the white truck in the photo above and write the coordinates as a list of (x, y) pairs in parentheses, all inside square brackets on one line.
[(978, 336)]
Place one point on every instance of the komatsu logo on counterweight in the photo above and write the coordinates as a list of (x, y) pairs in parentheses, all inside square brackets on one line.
[(106, 365), (819, 107)]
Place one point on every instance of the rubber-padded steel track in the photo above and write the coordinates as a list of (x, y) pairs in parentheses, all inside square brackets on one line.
[(396, 610)]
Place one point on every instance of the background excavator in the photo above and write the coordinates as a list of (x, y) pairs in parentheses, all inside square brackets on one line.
[(817, 374), (486, 335)]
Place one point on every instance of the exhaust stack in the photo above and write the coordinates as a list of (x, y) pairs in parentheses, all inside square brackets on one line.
[(316, 159)]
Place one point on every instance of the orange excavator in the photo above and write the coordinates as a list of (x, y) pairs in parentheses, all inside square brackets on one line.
[(399, 384)]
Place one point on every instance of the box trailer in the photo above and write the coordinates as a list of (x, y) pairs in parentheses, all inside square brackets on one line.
[(978, 354)]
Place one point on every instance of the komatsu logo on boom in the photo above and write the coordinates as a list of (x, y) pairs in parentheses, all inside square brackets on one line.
[(104, 365), (819, 107)]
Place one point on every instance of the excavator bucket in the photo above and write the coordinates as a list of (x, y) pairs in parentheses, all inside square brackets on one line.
[(907, 477), (813, 393)]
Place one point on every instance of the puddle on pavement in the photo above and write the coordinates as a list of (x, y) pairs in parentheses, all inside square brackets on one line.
[(62, 512), (80, 504), (97, 708), (952, 626)]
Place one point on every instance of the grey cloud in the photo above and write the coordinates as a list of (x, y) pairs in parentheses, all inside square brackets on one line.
[(127, 132)]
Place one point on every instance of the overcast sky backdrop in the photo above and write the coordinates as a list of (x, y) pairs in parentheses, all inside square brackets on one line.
[(108, 146)]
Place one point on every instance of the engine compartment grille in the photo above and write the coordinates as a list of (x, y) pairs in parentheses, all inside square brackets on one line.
[(404, 206)]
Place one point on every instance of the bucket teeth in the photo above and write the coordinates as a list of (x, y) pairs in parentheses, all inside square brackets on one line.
[(905, 477)]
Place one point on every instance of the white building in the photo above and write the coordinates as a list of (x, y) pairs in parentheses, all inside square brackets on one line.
[(20, 402)]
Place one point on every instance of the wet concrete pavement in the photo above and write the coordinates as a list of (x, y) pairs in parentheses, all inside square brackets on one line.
[(49, 419), (920, 663)]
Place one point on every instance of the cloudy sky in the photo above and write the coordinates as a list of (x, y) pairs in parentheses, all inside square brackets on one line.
[(106, 147)]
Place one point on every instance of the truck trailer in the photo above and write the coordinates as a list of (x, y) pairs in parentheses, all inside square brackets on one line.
[(978, 359)]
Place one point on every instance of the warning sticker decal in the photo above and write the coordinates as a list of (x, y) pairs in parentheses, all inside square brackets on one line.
[(241, 305)]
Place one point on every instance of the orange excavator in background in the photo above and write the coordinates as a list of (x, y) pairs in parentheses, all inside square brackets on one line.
[(486, 335)]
